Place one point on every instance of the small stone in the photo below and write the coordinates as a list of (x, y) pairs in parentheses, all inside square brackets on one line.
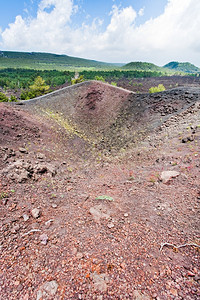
[(54, 205), (41, 169), (15, 228), (125, 215), (4, 201), (100, 281), (167, 175), (25, 217), (44, 238), (123, 265), (138, 295), (23, 150), (25, 297), (47, 290), (74, 251), (154, 295), (110, 225), (197, 277), (40, 156), (191, 274), (174, 292), (99, 212), (36, 213), (195, 270), (79, 255)]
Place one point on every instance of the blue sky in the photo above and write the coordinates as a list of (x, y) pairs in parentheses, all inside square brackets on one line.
[(89, 9), (158, 31)]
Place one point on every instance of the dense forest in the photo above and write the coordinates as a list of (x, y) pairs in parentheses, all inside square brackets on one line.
[(23, 78), (28, 83), (48, 61)]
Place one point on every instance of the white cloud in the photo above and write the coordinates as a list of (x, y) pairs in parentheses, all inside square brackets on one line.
[(141, 12), (174, 35)]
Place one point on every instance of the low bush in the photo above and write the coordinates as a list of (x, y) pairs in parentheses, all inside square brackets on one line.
[(157, 89), (3, 97)]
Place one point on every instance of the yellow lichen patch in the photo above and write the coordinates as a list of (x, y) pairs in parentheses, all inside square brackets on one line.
[(69, 127)]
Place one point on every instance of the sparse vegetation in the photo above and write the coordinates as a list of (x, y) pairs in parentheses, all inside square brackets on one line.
[(3, 195), (37, 89), (3, 97), (100, 78), (77, 80), (157, 89)]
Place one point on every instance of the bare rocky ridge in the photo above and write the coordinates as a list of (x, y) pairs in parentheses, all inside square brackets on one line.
[(113, 117), (96, 186)]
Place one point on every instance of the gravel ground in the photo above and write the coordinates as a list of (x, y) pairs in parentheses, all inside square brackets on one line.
[(79, 221)]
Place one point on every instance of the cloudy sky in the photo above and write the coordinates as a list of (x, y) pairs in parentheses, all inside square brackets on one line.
[(157, 31)]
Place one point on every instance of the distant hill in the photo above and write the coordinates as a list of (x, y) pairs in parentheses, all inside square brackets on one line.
[(47, 61), (182, 67), (142, 66)]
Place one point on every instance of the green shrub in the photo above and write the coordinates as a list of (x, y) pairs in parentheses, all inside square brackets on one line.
[(3, 97), (113, 83), (100, 78), (39, 87), (78, 80), (157, 89), (13, 98)]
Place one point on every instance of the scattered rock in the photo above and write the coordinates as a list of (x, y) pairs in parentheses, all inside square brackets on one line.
[(188, 139), (19, 170), (22, 177), (79, 255), (4, 201), (51, 169), (125, 215), (98, 212), (110, 225), (41, 169), (138, 295), (25, 217), (36, 212), (191, 274), (44, 238), (54, 205), (174, 292), (23, 150), (22, 170), (48, 289), (40, 156), (15, 228), (167, 175), (100, 281)]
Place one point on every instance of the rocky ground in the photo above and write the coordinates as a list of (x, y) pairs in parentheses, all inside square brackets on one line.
[(82, 220)]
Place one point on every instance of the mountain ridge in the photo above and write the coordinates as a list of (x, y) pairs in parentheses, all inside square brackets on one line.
[(51, 61)]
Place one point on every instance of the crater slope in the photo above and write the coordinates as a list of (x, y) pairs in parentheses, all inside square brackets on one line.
[(100, 194), (112, 117)]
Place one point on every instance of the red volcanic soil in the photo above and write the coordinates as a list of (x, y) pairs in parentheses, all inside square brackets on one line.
[(101, 220)]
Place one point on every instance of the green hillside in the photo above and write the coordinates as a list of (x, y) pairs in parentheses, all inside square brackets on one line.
[(47, 61), (182, 67), (144, 66)]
